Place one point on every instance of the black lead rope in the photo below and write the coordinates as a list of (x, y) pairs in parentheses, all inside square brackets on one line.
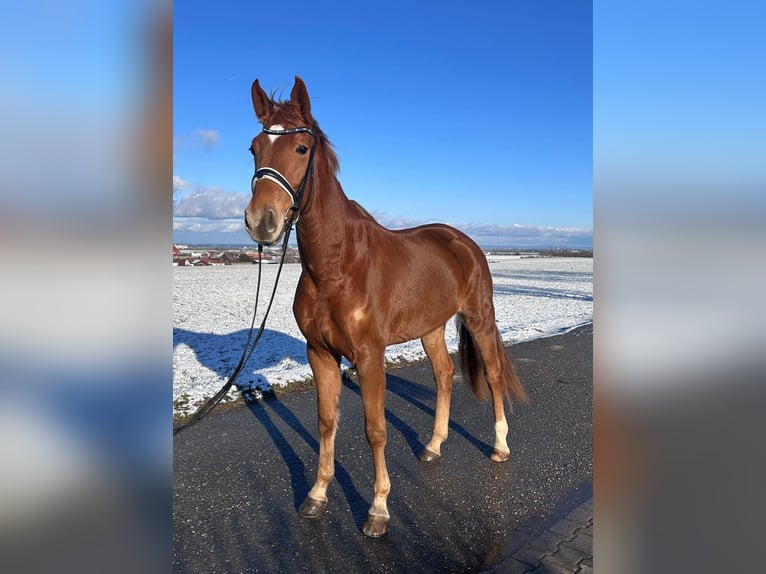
[(250, 344)]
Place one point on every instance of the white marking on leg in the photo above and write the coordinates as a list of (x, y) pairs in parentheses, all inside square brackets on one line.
[(273, 137), (501, 434)]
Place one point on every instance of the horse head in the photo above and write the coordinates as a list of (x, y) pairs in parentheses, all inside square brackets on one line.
[(283, 154)]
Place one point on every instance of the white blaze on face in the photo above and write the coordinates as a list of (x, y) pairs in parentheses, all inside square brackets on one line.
[(273, 137)]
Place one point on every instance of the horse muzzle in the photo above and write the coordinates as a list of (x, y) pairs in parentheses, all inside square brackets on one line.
[(264, 226)]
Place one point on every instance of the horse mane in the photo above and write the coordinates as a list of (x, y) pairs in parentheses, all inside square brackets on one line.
[(286, 114)]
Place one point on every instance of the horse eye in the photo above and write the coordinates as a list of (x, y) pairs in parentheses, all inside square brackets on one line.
[(302, 149)]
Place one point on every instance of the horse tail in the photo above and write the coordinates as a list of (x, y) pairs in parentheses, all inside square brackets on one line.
[(470, 361), (512, 388), (472, 366)]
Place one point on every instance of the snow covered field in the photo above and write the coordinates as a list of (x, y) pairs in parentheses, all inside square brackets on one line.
[(212, 311)]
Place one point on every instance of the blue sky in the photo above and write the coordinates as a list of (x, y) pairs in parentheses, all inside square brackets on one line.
[(478, 115)]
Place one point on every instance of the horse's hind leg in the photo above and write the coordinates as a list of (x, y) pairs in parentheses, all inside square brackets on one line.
[(441, 363), (493, 370), (489, 346)]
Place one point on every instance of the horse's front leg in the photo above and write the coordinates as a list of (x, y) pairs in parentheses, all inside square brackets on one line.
[(326, 370), (372, 381)]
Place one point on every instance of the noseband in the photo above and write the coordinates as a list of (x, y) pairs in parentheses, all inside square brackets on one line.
[(270, 173)]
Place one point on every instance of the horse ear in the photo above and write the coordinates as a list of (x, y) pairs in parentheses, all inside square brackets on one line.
[(300, 97), (261, 102)]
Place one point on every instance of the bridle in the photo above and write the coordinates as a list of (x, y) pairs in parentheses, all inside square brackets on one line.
[(274, 175)]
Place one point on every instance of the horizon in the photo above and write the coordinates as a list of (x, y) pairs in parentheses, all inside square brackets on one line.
[(485, 246), (500, 248), (486, 237)]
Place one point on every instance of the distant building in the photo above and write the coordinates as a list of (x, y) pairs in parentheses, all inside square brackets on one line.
[(255, 257)]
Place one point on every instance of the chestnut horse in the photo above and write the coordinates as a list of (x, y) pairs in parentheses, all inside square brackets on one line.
[(364, 287)]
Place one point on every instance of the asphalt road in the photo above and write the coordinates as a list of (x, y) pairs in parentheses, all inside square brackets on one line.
[(241, 473)]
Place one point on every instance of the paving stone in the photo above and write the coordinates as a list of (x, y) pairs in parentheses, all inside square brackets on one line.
[(581, 542), (565, 548), (565, 527), (568, 557), (550, 566), (532, 555), (549, 541), (581, 516), (511, 566)]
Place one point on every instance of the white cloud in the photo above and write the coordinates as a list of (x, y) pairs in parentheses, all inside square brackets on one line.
[(522, 235), (207, 226), (396, 222), (501, 235), (179, 183), (208, 138), (211, 203)]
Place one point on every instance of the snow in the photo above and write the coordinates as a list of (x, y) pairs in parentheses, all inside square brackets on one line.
[(213, 306)]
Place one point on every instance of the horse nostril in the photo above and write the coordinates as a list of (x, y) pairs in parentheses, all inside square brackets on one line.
[(271, 221)]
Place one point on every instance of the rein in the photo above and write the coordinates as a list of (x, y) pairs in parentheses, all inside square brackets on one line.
[(250, 344)]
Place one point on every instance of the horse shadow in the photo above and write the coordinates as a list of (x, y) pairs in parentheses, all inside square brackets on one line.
[(422, 398), (221, 353), (273, 413), (267, 412)]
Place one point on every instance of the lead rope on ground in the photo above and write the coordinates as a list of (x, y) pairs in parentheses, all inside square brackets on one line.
[(250, 343)]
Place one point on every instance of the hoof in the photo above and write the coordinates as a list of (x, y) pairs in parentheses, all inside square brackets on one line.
[(429, 456), (500, 455), (312, 508), (375, 526)]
